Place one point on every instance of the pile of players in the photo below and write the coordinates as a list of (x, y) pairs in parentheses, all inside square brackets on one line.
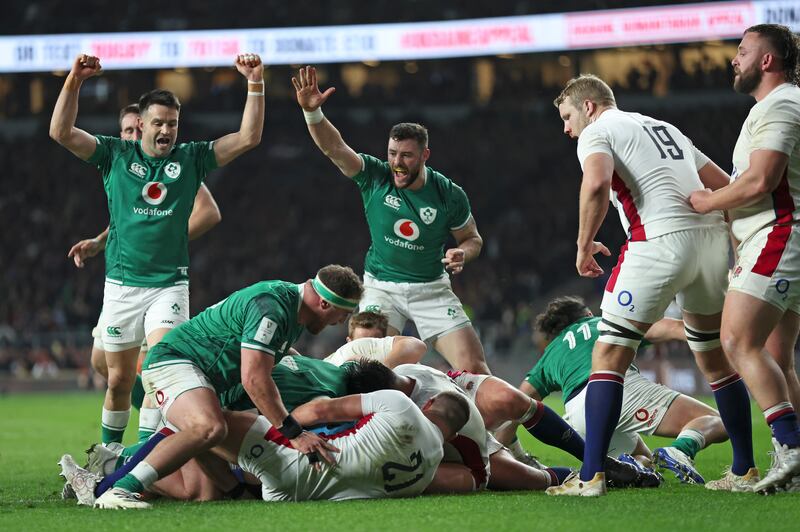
[(231, 410)]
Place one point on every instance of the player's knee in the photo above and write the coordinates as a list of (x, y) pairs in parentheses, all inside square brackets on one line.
[(211, 432), (616, 330), (701, 341), (120, 380), (512, 403)]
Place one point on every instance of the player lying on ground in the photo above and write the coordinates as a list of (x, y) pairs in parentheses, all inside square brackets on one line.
[(421, 382), (237, 341), (497, 401), (569, 331), (393, 451)]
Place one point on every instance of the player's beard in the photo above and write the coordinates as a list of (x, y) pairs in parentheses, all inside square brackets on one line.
[(411, 177), (747, 81)]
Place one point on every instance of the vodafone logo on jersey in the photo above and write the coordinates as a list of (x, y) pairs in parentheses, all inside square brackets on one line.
[(154, 193), (406, 229)]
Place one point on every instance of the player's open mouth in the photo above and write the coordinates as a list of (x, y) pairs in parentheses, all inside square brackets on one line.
[(400, 172), (163, 142)]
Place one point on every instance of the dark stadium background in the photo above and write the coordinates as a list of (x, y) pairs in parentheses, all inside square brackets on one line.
[(287, 211)]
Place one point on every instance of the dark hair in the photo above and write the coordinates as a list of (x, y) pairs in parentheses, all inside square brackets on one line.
[(368, 320), (159, 97), (410, 130), (559, 314), (131, 109), (452, 408), (366, 375), (342, 280), (785, 45)]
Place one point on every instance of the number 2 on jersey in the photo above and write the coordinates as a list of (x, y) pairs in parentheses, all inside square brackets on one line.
[(660, 136), (570, 336), (391, 470)]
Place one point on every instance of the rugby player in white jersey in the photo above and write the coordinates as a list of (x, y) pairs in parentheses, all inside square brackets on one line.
[(648, 169), (151, 185), (761, 318), (496, 402), (393, 450), (205, 215)]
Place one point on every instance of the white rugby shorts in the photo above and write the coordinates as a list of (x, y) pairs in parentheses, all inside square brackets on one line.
[(690, 266), (469, 382), (164, 384), (433, 307), (130, 313), (644, 405), (769, 267)]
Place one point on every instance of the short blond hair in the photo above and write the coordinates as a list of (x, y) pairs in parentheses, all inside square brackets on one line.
[(587, 87)]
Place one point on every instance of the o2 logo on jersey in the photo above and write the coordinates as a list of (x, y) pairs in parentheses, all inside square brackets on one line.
[(173, 170), (405, 228), (154, 193)]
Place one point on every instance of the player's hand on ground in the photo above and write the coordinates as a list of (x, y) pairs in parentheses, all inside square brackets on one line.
[(454, 260), (308, 94), (700, 200), (250, 66), (85, 66), (585, 263), (83, 250), (315, 448)]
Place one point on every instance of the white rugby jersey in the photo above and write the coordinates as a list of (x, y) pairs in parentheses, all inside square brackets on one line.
[(655, 171), (469, 446), (393, 451), (772, 124), (371, 348)]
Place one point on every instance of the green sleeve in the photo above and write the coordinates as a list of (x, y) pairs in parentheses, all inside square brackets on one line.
[(458, 208), (206, 160), (371, 175), (264, 326), (537, 379), (104, 153)]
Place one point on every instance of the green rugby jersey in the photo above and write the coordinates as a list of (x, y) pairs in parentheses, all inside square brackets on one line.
[(149, 203), (262, 316), (567, 361), (409, 228), (299, 380)]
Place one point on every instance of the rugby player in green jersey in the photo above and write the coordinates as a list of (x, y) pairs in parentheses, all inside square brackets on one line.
[(238, 340), (151, 185), (411, 211), (205, 215), (569, 332)]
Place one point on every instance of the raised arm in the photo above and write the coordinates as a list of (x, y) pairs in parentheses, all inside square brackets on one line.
[(248, 137), (62, 123), (325, 135), (468, 247), (598, 170), (205, 213)]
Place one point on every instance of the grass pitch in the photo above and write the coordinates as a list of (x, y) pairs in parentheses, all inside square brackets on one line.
[(35, 430)]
